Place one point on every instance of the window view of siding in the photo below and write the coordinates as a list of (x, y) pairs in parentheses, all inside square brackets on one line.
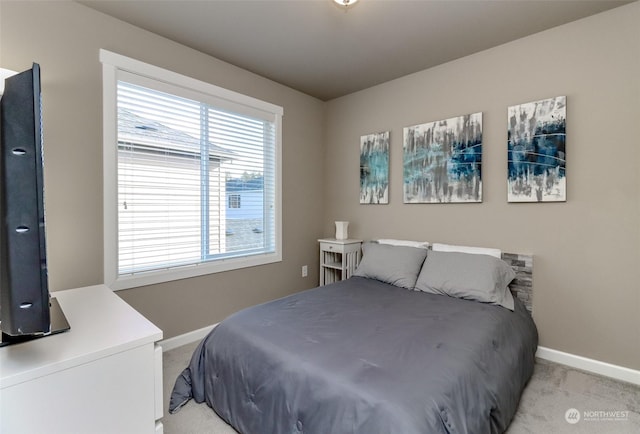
[(195, 182)]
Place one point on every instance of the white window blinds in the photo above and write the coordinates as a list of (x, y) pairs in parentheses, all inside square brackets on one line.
[(197, 179)]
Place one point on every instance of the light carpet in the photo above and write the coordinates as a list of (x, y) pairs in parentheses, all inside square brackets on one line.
[(547, 406)]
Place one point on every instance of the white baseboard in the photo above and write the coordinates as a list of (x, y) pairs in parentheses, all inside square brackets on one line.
[(187, 338), (597, 367)]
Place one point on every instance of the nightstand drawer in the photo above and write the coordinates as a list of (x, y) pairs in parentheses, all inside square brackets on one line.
[(329, 247)]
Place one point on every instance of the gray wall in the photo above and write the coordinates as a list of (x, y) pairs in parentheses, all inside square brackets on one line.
[(587, 250), (65, 37)]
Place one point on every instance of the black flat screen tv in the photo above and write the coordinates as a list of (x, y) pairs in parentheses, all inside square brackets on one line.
[(25, 310)]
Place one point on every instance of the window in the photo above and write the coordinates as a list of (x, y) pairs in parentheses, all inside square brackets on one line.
[(234, 201), (179, 156)]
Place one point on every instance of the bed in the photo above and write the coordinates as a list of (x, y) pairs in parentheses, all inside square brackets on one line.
[(385, 351)]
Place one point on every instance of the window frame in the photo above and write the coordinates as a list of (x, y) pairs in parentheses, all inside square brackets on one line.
[(115, 66)]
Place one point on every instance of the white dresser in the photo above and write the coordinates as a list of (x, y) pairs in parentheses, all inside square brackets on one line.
[(102, 376)]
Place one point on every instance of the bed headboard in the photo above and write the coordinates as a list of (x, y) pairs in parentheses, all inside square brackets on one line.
[(522, 285)]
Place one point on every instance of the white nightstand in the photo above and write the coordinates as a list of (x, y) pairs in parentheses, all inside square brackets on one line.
[(338, 259)]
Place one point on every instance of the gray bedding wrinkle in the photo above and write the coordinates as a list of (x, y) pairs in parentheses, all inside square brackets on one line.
[(362, 356)]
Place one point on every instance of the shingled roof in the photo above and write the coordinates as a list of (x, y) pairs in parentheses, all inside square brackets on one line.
[(154, 136)]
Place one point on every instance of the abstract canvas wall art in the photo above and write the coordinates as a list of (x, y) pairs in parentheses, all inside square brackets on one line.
[(536, 151), (374, 168), (443, 161)]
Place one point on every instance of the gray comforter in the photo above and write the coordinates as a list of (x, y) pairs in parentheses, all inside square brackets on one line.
[(361, 356)]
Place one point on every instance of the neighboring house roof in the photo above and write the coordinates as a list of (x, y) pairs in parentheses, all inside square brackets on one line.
[(239, 184), (156, 137)]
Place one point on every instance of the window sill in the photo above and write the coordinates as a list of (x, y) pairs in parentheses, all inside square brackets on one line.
[(162, 276)]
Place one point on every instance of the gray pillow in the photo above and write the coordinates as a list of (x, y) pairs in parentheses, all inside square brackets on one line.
[(397, 265), (482, 278)]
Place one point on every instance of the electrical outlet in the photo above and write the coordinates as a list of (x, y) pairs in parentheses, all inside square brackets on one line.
[(305, 271)]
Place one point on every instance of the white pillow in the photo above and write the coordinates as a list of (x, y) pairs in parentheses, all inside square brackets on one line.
[(497, 253), (406, 243)]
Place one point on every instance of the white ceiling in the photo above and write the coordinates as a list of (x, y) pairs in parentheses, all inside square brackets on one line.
[(318, 48)]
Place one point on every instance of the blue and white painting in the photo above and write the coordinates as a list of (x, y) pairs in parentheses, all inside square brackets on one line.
[(536, 151), (374, 168), (443, 161)]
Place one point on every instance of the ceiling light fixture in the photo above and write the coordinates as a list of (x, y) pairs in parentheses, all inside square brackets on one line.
[(345, 3)]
